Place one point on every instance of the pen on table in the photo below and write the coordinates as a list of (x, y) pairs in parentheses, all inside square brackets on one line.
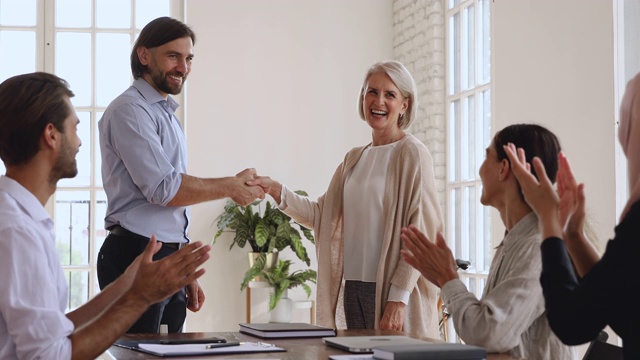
[(225, 344), (259, 343)]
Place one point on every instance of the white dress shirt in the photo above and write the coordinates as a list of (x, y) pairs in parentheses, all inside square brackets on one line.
[(34, 292)]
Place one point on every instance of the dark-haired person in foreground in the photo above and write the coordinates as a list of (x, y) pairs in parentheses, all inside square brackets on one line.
[(144, 168), (509, 317), (604, 294), (38, 145)]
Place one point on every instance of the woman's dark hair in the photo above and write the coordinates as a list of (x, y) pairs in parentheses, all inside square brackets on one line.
[(28, 103), (157, 33), (536, 141)]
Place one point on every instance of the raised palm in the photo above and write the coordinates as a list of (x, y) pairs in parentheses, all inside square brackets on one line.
[(572, 201)]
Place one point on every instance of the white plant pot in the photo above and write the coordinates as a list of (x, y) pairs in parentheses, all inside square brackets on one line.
[(282, 312)]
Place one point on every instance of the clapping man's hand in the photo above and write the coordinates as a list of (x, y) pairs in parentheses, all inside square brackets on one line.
[(156, 280)]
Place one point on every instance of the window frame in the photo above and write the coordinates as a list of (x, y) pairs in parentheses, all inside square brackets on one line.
[(475, 277), (45, 42)]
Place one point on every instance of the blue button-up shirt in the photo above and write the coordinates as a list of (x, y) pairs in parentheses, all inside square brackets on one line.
[(144, 153)]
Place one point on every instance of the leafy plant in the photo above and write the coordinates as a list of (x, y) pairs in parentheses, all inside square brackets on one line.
[(280, 279), (265, 231)]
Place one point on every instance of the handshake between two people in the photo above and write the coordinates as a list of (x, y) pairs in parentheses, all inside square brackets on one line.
[(156, 280), (153, 281), (251, 186)]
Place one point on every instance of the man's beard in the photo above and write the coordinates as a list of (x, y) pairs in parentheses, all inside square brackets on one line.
[(65, 166), (160, 80)]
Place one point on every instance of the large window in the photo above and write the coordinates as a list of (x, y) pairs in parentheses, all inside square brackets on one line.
[(87, 43), (469, 133)]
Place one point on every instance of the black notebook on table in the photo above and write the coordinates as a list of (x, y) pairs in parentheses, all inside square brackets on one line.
[(434, 351), (285, 330)]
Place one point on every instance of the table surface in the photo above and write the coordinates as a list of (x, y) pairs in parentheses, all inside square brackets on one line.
[(298, 349)]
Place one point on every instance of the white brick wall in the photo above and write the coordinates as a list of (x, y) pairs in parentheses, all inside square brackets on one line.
[(419, 43)]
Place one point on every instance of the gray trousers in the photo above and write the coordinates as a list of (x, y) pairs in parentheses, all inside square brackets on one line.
[(360, 304)]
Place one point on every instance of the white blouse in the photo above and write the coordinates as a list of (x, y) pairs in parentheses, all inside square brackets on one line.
[(364, 217)]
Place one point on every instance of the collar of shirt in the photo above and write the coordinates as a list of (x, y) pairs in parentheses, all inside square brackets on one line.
[(152, 95), (24, 198), (525, 226)]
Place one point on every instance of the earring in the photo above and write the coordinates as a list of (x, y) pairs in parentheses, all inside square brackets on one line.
[(401, 115)]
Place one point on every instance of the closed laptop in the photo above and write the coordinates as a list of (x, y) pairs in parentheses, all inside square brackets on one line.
[(365, 344)]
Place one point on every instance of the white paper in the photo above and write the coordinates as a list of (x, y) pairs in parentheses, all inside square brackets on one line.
[(202, 348)]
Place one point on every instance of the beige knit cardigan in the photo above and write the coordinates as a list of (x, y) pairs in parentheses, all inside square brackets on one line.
[(410, 198)]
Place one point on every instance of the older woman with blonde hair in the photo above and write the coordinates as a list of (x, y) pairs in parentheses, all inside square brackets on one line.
[(377, 189)]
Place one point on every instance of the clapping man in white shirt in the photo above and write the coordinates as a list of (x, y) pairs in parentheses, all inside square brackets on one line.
[(38, 144)]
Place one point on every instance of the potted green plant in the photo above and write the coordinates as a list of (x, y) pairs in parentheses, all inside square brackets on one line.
[(266, 229), (281, 280)]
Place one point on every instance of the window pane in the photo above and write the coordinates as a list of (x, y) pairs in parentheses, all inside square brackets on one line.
[(18, 12), (470, 222), (2, 168), (479, 231), (72, 226), (484, 117), (467, 144), (487, 240), (147, 10), (472, 285), (114, 14), (484, 42), (73, 13), (454, 54), (468, 48), (73, 63), (457, 220), (78, 282), (98, 158), (453, 3), (113, 69), (101, 211), (455, 124), (83, 158), (23, 45)]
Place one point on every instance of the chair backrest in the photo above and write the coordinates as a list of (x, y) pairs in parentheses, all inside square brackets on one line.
[(444, 314), (600, 349)]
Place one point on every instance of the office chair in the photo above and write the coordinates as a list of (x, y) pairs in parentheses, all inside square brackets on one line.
[(600, 349), (444, 314)]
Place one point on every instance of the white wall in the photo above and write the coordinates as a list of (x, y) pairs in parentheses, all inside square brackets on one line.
[(553, 64), (274, 86)]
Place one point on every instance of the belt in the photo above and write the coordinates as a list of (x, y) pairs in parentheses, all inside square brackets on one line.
[(120, 231)]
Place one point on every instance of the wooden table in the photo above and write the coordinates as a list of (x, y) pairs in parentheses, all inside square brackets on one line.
[(297, 349)]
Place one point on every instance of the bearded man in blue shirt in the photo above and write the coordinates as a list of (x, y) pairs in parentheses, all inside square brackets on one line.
[(144, 168)]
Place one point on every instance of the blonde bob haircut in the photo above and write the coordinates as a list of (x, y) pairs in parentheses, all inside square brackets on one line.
[(402, 80)]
